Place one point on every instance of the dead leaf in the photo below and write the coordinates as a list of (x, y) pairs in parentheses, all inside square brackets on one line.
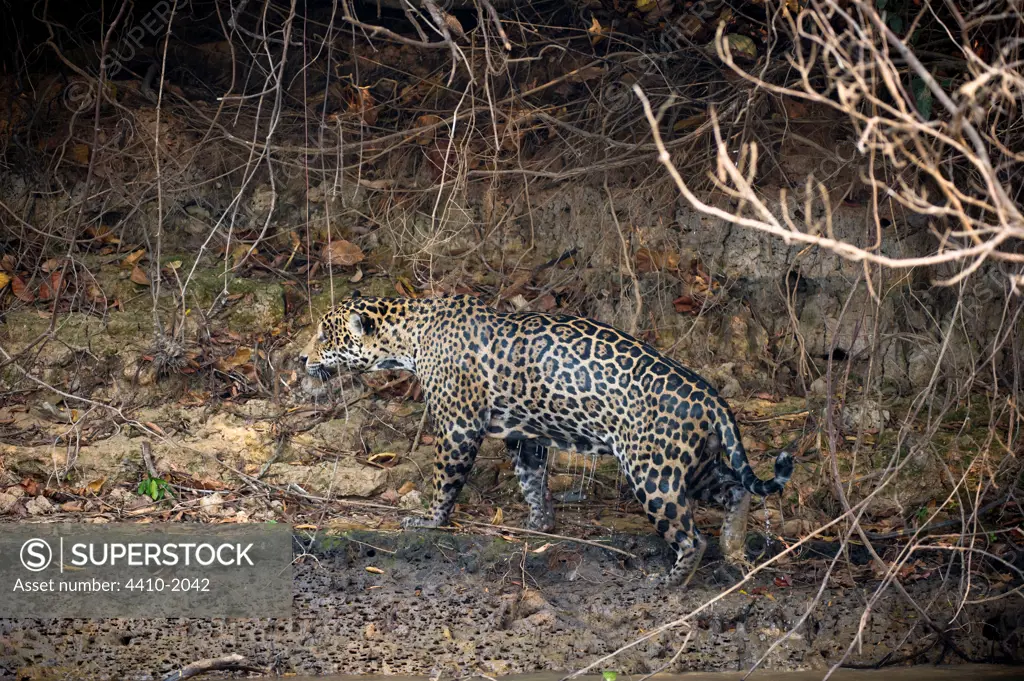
[(363, 104), (370, 631), (378, 185), (374, 570), (586, 73), (50, 265), (343, 253), (685, 305), (427, 121), (94, 294), (238, 253), (155, 428), (51, 289), (447, 633), (546, 303), (21, 291), (405, 287), (80, 152), (596, 31), (390, 496), (241, 356), (498, 518), (518, 301), (690, 122), (794, 107), (655, 261), (406, 487), (139, 277), (741, 46), (5, 279), (95, 486), (455, 26), (45, 292), (101, 234), (7, 263), (357, 277), (133, 258)]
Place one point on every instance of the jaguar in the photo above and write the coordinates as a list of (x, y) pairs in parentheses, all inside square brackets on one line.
[(541, 381)]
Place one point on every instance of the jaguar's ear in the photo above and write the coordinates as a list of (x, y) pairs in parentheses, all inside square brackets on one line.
[(360, 325), (355, 294), (355, 324)]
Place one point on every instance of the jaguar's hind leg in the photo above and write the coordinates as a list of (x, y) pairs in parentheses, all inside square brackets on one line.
[(723, 487), (531, 468), (454, 455), (736, 501), (682, 535), (673, 519)]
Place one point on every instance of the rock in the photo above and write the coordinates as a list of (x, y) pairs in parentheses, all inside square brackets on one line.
[(830, 324), (121, 496), (38, 505), (411, 501), (921, 365), (743, 341), (260, 309), (336, 434), (7, 502), (532, 602), (213, 504), (865, 414), (197, 211), (16, 491), (819, 387), (730, 388), (141, 373), (798, 527), (922, 480), (346, 479), (537, 620), (315, 388), (533, 611), (498, 667)]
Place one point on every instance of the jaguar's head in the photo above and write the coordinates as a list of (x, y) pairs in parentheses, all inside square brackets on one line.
[(358, 334)]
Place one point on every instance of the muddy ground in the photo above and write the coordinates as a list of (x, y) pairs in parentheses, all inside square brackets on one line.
[(238, 434), (450, 603)]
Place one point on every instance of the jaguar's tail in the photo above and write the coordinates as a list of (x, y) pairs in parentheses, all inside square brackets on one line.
[(730, 441)]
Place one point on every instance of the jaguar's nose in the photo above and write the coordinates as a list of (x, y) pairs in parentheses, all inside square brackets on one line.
[(302, 359)]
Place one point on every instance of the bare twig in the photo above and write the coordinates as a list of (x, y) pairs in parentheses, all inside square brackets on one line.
[(233, 662)]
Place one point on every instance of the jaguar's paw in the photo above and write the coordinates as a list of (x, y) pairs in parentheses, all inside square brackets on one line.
[(425, 523)]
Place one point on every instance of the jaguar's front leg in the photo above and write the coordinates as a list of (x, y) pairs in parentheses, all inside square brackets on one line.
[(454, 455)]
